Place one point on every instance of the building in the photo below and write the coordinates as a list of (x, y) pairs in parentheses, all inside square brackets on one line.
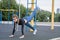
[(58, 10)]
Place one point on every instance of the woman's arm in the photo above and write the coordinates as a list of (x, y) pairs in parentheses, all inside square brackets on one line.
[(14, 28)]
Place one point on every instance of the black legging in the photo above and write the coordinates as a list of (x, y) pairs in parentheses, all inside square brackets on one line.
[(13, 29), (22, 29)]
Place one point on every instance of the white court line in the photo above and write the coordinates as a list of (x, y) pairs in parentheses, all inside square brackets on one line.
[(39, 24), (55, 38), (7, 22)]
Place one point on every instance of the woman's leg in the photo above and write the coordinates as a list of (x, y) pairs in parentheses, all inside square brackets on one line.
[(35, 30), (27, 24), (14, 29), (29, 18), (22, 30)]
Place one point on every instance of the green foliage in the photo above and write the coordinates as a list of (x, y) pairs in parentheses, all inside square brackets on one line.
[(57, 17), (42, 16), (8, 4), (22, 11)]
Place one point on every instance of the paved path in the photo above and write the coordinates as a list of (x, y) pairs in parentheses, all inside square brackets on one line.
[(43, 33)]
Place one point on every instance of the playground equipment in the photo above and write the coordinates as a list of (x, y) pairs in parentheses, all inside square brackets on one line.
[(0, 15), (52, 21), (33, 2), (7, 10), (32, 7)]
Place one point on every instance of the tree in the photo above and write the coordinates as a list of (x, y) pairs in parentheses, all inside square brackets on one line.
[(8, 4), (22, 11), (0, 4), (57, 17), (42, 15)]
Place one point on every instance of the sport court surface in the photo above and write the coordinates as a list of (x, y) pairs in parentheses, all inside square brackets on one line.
[(43, 33)]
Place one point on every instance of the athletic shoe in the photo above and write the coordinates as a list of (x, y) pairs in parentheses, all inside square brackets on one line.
[(21, 36), (35, 32), (11, 36)]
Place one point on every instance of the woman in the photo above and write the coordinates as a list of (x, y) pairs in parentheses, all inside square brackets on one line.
[(23, 21)]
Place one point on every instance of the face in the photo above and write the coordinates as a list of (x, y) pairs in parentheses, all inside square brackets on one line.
[(15, 19)]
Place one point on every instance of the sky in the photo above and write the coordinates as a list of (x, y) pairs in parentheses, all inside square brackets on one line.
[(42, 4)]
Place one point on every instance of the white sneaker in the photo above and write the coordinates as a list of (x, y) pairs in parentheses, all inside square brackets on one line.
[(11, 36), (22, 36), (35, 32)]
